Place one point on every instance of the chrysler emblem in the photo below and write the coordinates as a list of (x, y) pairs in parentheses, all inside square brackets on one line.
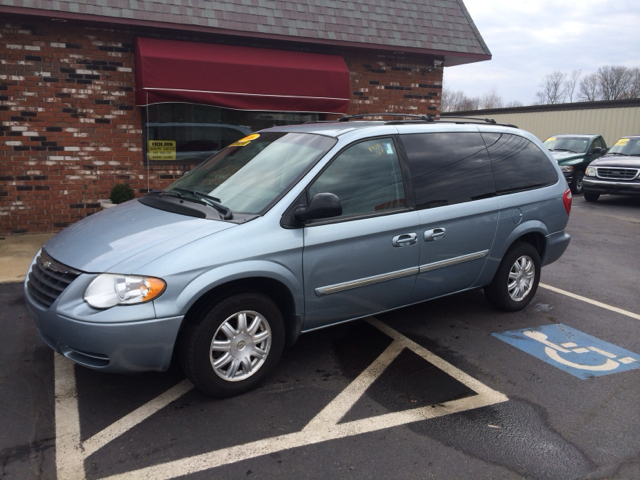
[(46, 264)]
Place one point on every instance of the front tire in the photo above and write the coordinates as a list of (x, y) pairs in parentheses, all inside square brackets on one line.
[(577, 183), (516, 280), (234, 345), (591, 197)]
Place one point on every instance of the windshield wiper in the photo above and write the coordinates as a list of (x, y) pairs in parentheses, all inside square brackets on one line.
[(214, 202), (563, 150)]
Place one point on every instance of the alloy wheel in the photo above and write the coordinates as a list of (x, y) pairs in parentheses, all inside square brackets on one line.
[(240, 346), (521, 278)]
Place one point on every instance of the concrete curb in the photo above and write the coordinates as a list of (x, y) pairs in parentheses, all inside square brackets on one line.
[(16, 253)]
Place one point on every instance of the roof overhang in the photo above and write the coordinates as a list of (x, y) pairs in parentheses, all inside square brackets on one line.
[(448, 57)]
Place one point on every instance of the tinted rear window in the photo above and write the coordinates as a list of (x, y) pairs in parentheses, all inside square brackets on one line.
[(448, 168), (518, 164)]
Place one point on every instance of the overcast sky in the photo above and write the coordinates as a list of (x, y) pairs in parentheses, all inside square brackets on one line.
[(531, 38)]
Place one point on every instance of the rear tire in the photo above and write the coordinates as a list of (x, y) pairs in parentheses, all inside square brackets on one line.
[(591, 197), (233, 345), (516, 280)]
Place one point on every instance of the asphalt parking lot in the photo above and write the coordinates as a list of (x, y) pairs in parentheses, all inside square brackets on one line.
[(446, 389)]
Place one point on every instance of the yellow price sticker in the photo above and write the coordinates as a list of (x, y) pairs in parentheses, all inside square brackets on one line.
[(161, 149), (622, 142), (245, 141), (552, 139)]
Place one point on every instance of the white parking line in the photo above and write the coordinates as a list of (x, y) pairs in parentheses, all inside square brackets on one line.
[(69, 456), (129, 421), (592, 302), (71, 452), (323, 427)]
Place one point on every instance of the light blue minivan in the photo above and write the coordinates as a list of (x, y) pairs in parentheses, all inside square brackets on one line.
[(296, 228)]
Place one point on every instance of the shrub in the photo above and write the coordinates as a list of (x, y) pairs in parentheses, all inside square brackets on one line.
[(121, 193)]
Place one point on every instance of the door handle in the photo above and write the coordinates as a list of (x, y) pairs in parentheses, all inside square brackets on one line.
[(434, 234), (404, 240)]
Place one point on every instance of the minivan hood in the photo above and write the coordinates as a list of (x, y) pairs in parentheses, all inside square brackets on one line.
[(112, 236), (562, 157)]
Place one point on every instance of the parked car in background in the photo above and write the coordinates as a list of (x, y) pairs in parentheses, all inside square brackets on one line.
[(574, 153), (296, 228), (617, 173)]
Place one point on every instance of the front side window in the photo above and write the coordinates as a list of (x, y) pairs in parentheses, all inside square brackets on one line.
[(518, 164), (448, 168), (249, 175), (366, 177), (597, 143)]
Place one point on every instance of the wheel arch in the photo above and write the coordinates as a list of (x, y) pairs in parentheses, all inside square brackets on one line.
[(533, 232), (273, 280)]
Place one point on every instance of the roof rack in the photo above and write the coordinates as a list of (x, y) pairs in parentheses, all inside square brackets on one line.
[(480, 119), (415, 118), (490, 121), (424, 118)]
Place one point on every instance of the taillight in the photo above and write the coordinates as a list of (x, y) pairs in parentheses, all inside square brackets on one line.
[(567, 198)]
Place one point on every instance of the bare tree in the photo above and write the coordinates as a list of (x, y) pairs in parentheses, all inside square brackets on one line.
[(491, 99), (514, 104), (553, 89), (456, 101), (634, 89), (570, 84), (589, 91), (468, 103), (450, 99), (445, 99), (614, 82)]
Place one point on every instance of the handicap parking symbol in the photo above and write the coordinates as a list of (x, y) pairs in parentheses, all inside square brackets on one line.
[(571, 350)]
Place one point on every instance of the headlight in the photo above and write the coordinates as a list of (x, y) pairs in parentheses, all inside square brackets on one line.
[(566, 168), (108, 290), (591, 171)]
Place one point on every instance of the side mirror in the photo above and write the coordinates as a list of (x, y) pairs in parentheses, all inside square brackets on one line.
[(598, 149), (323, 205)]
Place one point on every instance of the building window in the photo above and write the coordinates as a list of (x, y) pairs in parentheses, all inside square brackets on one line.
[(182, 133)]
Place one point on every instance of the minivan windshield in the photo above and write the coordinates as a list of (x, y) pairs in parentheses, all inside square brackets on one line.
[(626, 146), (254, 171), (567, 144)]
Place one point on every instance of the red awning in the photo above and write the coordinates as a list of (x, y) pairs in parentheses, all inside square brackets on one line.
[(241, 78)]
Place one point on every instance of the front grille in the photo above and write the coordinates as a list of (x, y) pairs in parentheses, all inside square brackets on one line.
[(48, 279), (617, 173)]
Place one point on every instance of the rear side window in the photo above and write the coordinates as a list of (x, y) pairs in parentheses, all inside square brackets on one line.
[(518, 164), (448, 168)]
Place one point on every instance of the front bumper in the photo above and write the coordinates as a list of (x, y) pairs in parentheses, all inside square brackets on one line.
[(593, 185), (119, 348), (125, 339), (568, 176)]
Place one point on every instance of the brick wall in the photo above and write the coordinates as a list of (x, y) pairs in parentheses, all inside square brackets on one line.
[(70, 129), (393, 83)]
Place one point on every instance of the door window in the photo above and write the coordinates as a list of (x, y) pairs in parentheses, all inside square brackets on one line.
[(366, 177), (596, 143)]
